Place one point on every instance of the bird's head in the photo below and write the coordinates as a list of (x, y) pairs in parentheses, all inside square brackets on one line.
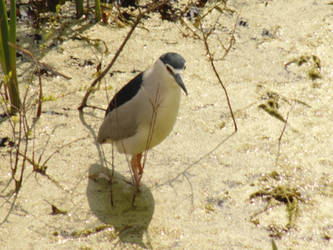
[(174, 65)]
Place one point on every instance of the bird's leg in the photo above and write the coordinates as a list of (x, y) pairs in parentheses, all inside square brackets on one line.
[(138, 161), (137, 168)]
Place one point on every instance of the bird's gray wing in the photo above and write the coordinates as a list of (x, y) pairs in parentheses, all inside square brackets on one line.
[(117, 125), (120, 116)]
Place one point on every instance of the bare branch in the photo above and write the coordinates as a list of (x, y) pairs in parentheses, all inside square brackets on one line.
[(280, 138), (211, 60)]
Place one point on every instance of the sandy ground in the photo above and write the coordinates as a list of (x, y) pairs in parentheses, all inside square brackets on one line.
[(197, 185)]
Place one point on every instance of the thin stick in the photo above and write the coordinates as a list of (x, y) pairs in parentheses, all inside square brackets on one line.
[(231, 41), (103, 73), (211, 60), (95, 107), (280, 138)]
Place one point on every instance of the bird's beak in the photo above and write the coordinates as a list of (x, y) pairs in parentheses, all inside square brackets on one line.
[(180, 82)]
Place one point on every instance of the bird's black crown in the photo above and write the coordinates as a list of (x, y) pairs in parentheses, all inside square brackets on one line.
[(173, 59)]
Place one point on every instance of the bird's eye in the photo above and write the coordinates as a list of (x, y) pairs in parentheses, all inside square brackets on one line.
[(169, 69)]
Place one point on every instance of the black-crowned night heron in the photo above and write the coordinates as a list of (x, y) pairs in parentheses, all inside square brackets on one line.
[(143, 113)]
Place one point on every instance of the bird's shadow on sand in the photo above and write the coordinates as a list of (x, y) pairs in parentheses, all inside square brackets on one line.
[(130, 222)]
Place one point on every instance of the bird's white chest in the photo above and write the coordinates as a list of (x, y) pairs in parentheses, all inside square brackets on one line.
[(162, 105)]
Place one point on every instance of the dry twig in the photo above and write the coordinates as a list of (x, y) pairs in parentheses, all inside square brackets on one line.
[(205, 36), (280, 138)]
